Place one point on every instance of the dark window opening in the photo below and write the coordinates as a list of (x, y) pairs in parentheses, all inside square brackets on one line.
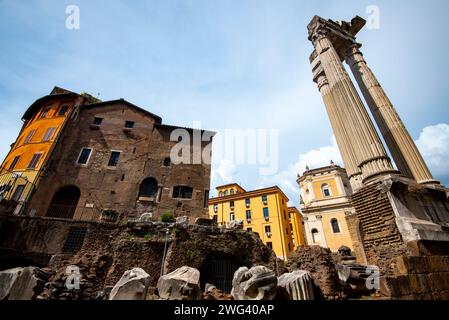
[(44, 113), (267, 229), (84, 155), (215, 218), (148, 188), (29, 136), (167, 162), (182, 192), (34, 161), (129, 124), (74, 240), (248, 215), (113, 160), (266, 213), (18, 192), (270, 245), (64, 202), (14, 162), (206, 199), (63, 110), (335, 226), (98, 121)]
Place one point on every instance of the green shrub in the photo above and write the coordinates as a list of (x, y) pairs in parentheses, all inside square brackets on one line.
[(167, 217)]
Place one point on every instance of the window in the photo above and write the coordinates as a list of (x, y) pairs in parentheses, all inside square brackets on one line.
[(221, 193), (247, 202), (206, 199), (29, 136), (63, 110), (48, 134), (44, 113), (270, 245), (14, 162), (98, 121), (231, 204), (232, 191), (266, 213), (225, 193), (34, 160), (326, 190), (167, 162), (148, 187), (215, 218), (129, 124), (248, 215), (215, 207), (249, 229), (314, 235), (289, 247), (182, 192), (113, 160), (268, 229), (18, 192), (335, 226), (286, 230), (232, 216), (264, 199), (75, 239), (285, 216), (84, 156)]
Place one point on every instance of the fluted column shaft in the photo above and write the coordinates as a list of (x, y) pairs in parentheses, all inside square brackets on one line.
[(372, 158), (402, 147), (337, 119)]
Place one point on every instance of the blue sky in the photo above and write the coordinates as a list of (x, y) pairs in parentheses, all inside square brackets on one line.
[(229, 64)]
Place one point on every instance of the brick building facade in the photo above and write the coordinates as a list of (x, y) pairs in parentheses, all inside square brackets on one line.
[(113, 161)]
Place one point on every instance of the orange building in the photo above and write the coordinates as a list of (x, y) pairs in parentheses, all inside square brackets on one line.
[(43, 122), (296, 227)]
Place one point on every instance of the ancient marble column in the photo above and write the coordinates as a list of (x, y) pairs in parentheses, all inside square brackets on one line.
[(403, 150), (337, 119), (372, 158)]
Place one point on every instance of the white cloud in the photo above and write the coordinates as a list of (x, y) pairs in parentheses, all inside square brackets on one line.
[(224, 172), (433, 142), (315, 158)]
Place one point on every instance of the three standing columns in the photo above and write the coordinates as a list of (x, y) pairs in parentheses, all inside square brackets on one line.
[(403, 150), (359, 135)]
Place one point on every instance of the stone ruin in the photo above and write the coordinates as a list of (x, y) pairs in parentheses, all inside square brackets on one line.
[(127, 262)]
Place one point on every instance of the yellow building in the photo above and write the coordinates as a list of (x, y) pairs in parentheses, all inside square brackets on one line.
[(42, 123), (263, 211), (325, 203), (297, 227)]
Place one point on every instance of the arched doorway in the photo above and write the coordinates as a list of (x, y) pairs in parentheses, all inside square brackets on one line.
[(64, 202)]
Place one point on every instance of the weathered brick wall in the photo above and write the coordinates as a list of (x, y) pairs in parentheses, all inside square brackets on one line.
[(418, 278), (376, 217), (143, 151)]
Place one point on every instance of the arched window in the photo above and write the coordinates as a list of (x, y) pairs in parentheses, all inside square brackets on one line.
[(225, 193), (335, 225), (314, 235), (221, 193), (232, 191), (64, 202), (326, 190), (148, 188)]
